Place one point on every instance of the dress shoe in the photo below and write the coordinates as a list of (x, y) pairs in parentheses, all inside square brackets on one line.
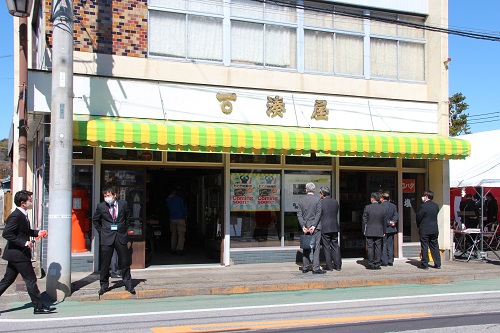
[(305, 270), (103, 290), (338, 269), (377, 267), (437, 267), (44, 310), (319, 271), (390, 264), (423, 267), (384, 265), (131, 290)]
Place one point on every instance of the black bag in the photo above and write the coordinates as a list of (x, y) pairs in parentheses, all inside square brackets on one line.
[(307, 241)]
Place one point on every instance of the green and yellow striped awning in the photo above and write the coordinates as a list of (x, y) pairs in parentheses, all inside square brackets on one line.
[(189, 136)]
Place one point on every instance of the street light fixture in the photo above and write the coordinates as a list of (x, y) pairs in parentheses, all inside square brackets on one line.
[(19, 8)]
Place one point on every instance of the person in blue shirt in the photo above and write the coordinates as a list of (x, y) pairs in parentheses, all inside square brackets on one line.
[(177, 214)]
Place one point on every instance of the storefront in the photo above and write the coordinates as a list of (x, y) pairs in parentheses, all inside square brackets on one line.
[(242, 208), (242, 160)]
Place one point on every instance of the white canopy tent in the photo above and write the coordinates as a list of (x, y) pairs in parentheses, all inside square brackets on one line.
[(482, 167), (481, 170)]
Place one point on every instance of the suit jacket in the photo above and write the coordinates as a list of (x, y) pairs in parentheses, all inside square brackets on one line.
[(309, 211), (491, 210), (391, 214), (427, 221), (103, 220), (374, 220), (17, 232), (329, 212)]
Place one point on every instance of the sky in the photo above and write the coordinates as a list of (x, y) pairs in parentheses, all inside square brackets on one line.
[(472, 70)]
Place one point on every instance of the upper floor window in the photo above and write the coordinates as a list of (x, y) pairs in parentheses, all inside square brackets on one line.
[(186, 29), (397, 49), (263, 34), (314, 37)]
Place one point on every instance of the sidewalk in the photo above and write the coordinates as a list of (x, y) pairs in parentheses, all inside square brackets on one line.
[(252, 278)]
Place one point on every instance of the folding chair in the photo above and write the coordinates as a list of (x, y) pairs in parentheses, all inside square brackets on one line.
[(491, 235)]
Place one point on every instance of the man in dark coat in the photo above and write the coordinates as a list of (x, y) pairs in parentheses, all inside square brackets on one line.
[(111, 220), (330, 230), (427, 223), (17, 232), (374, 228), (308, 215), (469, 206), (391, 220), (491, 208)]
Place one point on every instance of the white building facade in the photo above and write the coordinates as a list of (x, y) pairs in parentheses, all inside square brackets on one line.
[(239, 104)]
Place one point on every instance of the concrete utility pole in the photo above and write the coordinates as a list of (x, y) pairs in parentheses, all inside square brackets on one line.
[(61, 151)]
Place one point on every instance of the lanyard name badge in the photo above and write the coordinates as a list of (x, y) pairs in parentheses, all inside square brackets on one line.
[(114, 226)]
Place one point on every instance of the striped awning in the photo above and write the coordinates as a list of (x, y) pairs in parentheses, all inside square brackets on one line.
[(188, 136)]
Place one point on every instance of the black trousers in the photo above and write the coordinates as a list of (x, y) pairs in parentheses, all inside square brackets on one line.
[(426, 242), (123, 263), (374, 245), (306, 260), (388, 249), (331, 248), (27, 272)]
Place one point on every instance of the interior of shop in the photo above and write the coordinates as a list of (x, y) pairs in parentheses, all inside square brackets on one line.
[(201, 190), (355, 189)]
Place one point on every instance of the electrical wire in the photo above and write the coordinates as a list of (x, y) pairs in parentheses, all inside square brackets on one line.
[(464, 33)]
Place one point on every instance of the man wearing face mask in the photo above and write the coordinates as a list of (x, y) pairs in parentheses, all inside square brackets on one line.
[(427, 223), (111, 220), (17, 232)]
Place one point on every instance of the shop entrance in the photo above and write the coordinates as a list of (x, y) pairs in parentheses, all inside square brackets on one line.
[(201, 190), (355, 189)]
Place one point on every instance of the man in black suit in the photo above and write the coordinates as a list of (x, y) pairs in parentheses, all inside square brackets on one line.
[(309, 214), (427, 223), (374, 228), (330, 230), (17, 232), (391, 220), (111, 220), (469, 205), (490, 208)]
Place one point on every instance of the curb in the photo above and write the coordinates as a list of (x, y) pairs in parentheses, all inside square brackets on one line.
[(166, 292)]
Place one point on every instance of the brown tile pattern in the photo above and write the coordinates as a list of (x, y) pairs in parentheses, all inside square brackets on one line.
[(115, 27)]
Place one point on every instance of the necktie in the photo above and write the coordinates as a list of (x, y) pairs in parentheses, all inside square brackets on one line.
[(113, 213)]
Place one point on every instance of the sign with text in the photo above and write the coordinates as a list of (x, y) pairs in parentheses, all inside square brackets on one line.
[(295, 188), (255, 192), (408, 185)]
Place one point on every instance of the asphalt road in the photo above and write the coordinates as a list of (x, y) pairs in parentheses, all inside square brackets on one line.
[(397, 308)]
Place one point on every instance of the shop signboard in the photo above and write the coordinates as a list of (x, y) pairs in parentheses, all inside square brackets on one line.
[(255, 192)]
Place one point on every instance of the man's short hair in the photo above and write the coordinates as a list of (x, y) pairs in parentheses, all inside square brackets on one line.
[(376, 196), (429, 194), (22, 196), (110, 189), (324, 190), (310, 187), (468, 196)]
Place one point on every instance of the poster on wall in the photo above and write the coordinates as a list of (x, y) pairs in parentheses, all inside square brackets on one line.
[(295, 188), (255, 192)]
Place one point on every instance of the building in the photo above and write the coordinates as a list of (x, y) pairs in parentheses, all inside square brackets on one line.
[(240, 103)]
